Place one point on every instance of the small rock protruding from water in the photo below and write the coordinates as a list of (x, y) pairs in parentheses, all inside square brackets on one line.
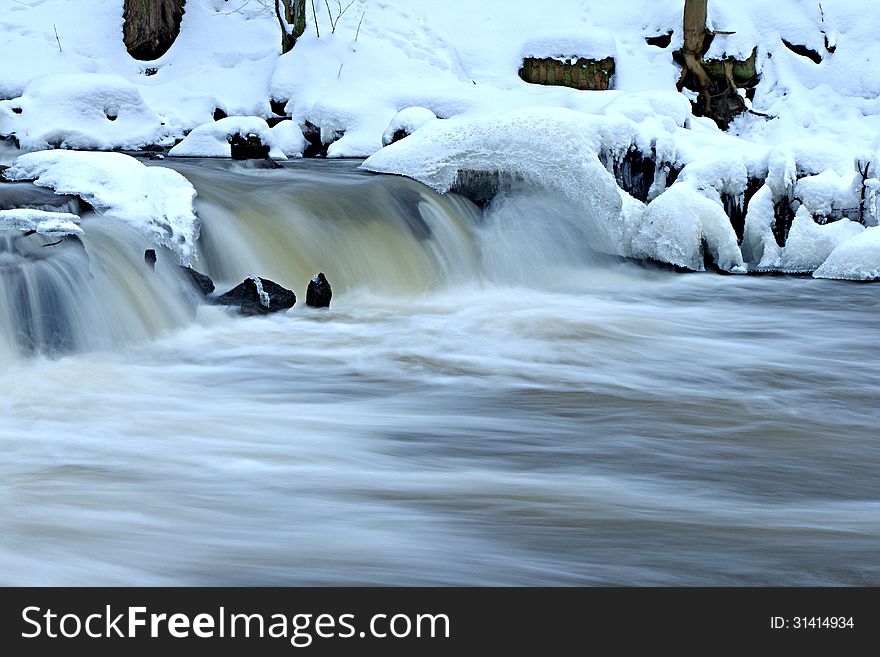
[(201, 282), (150, 258), (257, 296), (318, 294)]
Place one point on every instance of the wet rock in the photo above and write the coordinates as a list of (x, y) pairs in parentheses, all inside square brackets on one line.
[(201, 282), (26, 195), (247, 147), (318, 294), (316, 146), (257, 296), (150, 258)]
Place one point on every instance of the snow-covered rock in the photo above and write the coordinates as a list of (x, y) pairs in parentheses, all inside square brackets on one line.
[(86, 111), (552, 148), (155, 200), (406, 122), (212, 139), (51, 224)]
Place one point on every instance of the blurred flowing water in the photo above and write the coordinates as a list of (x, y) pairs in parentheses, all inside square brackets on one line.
[(486, 402)]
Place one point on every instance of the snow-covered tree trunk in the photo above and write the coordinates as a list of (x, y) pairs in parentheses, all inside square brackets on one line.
[(694, 40), (292, 22), (150, 26), (719, 97)]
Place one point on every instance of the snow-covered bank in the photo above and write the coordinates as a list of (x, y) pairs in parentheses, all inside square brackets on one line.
[(452, 57)]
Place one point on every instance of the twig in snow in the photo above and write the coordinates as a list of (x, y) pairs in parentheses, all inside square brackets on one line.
[(56, 37), (236, 10), (340, 10), (358, 31)]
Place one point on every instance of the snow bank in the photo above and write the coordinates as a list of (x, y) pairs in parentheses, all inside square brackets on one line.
[(51, 224), (212, 139), (156, 200), (81, 111)]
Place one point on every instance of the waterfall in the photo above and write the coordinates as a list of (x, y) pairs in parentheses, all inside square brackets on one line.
[(379, 233)]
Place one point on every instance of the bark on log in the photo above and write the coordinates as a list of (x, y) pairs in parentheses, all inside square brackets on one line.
[(150, 26)]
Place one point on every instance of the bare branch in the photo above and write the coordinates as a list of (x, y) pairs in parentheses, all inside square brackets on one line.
[(332, 24)]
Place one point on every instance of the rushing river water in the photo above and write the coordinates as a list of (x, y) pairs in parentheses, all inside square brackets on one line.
[(486, 402)]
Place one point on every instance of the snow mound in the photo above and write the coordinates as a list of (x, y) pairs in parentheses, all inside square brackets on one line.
[(87, 111), (51, 224), (212, 139), (407, 121), (155, 200), (856, 259)]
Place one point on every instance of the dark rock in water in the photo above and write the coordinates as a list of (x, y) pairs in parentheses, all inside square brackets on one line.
[(258, 296), (259, 164), (200, 281), (318, 294), (247, 147)]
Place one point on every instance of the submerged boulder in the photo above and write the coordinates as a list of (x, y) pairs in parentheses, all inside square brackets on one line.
[(258, 296), (318, 294)]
